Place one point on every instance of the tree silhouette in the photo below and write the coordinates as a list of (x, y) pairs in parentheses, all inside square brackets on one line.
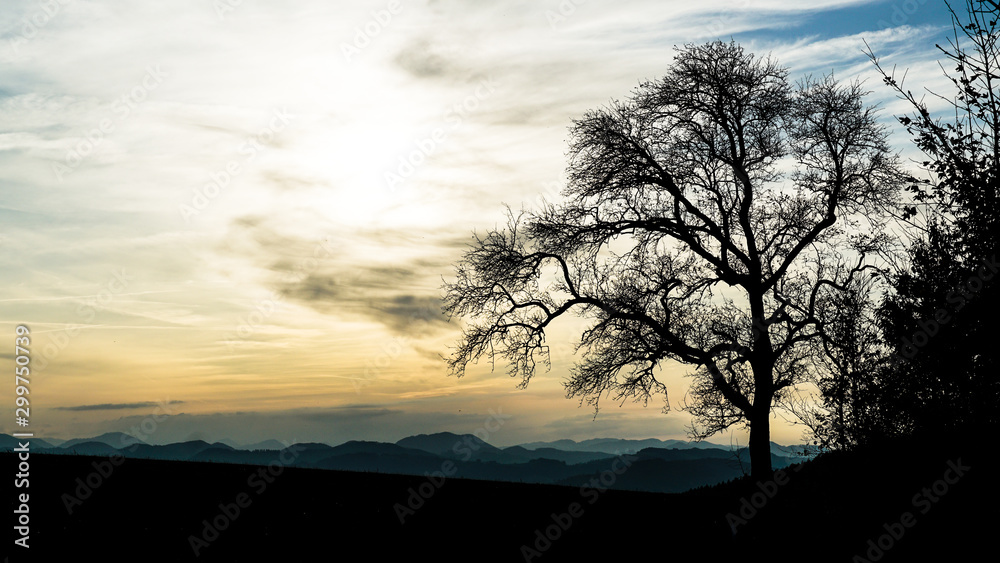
[(704, 222), (941, 315), (852, 370)]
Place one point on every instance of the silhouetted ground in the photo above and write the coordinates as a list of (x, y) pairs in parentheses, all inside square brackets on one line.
[(147, 510)]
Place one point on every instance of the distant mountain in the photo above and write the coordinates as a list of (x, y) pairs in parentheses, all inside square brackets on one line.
[(447, 444), (113, 439), (381, 457), (623, 446), (181, 451), (8, 442), (564, 445), (389, 463), (269, 445), (265, 445), (666, 466), (520, 454), (378, 448), (89, 448), (223, 453), (616, 446), (308, 454), (675, 454), (796, 451), (231, 443)]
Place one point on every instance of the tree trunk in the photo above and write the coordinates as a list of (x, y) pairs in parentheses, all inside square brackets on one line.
[(762, 363), (760, 444), (760, 419)]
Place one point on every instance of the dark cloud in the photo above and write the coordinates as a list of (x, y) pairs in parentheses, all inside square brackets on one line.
[(404, 297), (117, 406), (373, 293), (317, 289), (404, 313), (423, 59)]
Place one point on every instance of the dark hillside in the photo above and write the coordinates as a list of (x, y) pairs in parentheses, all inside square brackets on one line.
[(147, 510)]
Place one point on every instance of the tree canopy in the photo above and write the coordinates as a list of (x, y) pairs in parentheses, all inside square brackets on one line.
[(938, 319), (710, 219)]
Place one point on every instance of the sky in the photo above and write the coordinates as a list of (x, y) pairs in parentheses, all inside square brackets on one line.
[(233, 218)]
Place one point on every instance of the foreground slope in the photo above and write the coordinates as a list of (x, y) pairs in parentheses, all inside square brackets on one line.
[(828, 510)]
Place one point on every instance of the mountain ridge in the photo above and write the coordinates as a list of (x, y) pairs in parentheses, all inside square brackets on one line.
[(655, 469)]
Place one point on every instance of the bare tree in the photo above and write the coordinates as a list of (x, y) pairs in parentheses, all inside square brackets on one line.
[(851, 363), (701, 226)]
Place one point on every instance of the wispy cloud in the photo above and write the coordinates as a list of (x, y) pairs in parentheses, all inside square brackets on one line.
[(117, 406)]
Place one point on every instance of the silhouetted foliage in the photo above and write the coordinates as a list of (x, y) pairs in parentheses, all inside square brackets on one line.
[(849, 363), (940, 319), (704, 222)]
